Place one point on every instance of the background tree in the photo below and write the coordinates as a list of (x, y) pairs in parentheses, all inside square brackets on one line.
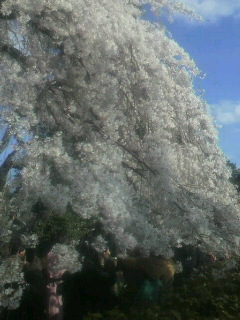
[(115, 127), (235, 176)]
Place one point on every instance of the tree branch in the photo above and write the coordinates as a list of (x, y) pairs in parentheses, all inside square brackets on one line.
[(138, 171), (143, 163), (14, 54), (5, 139), (5, 167), (37, 26), (134, 155)]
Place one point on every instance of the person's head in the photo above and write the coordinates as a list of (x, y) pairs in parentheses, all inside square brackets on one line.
[(106, 253), (103, 256), (21, 254)]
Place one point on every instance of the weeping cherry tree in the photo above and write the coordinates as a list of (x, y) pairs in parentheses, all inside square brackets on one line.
[(106, 121)]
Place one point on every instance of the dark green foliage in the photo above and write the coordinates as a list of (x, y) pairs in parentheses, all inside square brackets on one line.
[(205, 296), (64, 228), (52, 229), (235, 178)]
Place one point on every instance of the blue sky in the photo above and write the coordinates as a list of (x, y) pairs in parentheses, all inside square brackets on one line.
[(214, 44)]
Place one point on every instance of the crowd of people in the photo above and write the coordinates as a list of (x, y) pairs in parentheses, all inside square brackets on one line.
[(100, 283)]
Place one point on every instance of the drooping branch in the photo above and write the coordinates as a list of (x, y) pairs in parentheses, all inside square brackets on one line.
[(36, 25), (133, 153), (14, 54), (143, 163), (56, 84), (186, 211), (4, 169), (138, 171), (87, 76), (53, 87), (5, 140)]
